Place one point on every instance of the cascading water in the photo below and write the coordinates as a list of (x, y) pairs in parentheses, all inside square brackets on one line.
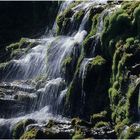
[(30, 65), (83, 72), (86, 61), (46, 59), (96, 40)]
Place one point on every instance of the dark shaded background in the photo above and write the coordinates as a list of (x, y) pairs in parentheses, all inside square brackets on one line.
[(25, 19)]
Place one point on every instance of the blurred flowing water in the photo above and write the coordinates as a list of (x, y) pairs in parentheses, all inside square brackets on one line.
[(46, 59)]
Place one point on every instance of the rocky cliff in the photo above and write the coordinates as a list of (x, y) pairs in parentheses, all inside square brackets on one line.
[(88, 72)]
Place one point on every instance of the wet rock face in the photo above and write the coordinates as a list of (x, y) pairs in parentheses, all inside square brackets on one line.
[(133, 132), (5, 132), (55, 129), (20, 127), (16, 100), (120, 50), (51, 130), (11, 108)]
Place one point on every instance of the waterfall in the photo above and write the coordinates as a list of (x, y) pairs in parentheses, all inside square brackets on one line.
[(86, 61), (44, 59), (63, 6), (82, 74), (31, 64), (96, 39)]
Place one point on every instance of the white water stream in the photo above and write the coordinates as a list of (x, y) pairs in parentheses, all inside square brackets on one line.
[(47, 58)]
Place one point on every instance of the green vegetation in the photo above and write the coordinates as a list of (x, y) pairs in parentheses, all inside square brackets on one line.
[(122, 18), (98, 60), (119, 129), (31, 134), (78, 16), (77, 121), (102, 116), (88, 42), (101, 124), (132, 132), (16, 49), (21, 44), (3, 65), (108, 81), (78, 135), (19, 128), (67, 61), (63, 20), (137, 19)]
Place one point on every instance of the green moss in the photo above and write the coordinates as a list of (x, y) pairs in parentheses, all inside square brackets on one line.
[(69, 94), (130, 95), (117, 56), (119, 128), (78, 136), (116, 93), (130, 41), (99, 117), (98, 60), (132, 102), (21, 43), (30, 134), (63, 20), (69, 65), (122, 18), (136, 13), (121, 66), (59, 21), (116, 85), (13, 46), (77, 121), (120, 110), (132, 132), (88, 41), (67, 61), (97, 64), (129, 7), (78, 16), (3, 65), (123, 92), (50, 131), (117, 20), (113, 93), (19, 48), (95, 21), (101, 124), (113, 31), (71, 86), (19, 128), (119, 41), (137, 19)]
